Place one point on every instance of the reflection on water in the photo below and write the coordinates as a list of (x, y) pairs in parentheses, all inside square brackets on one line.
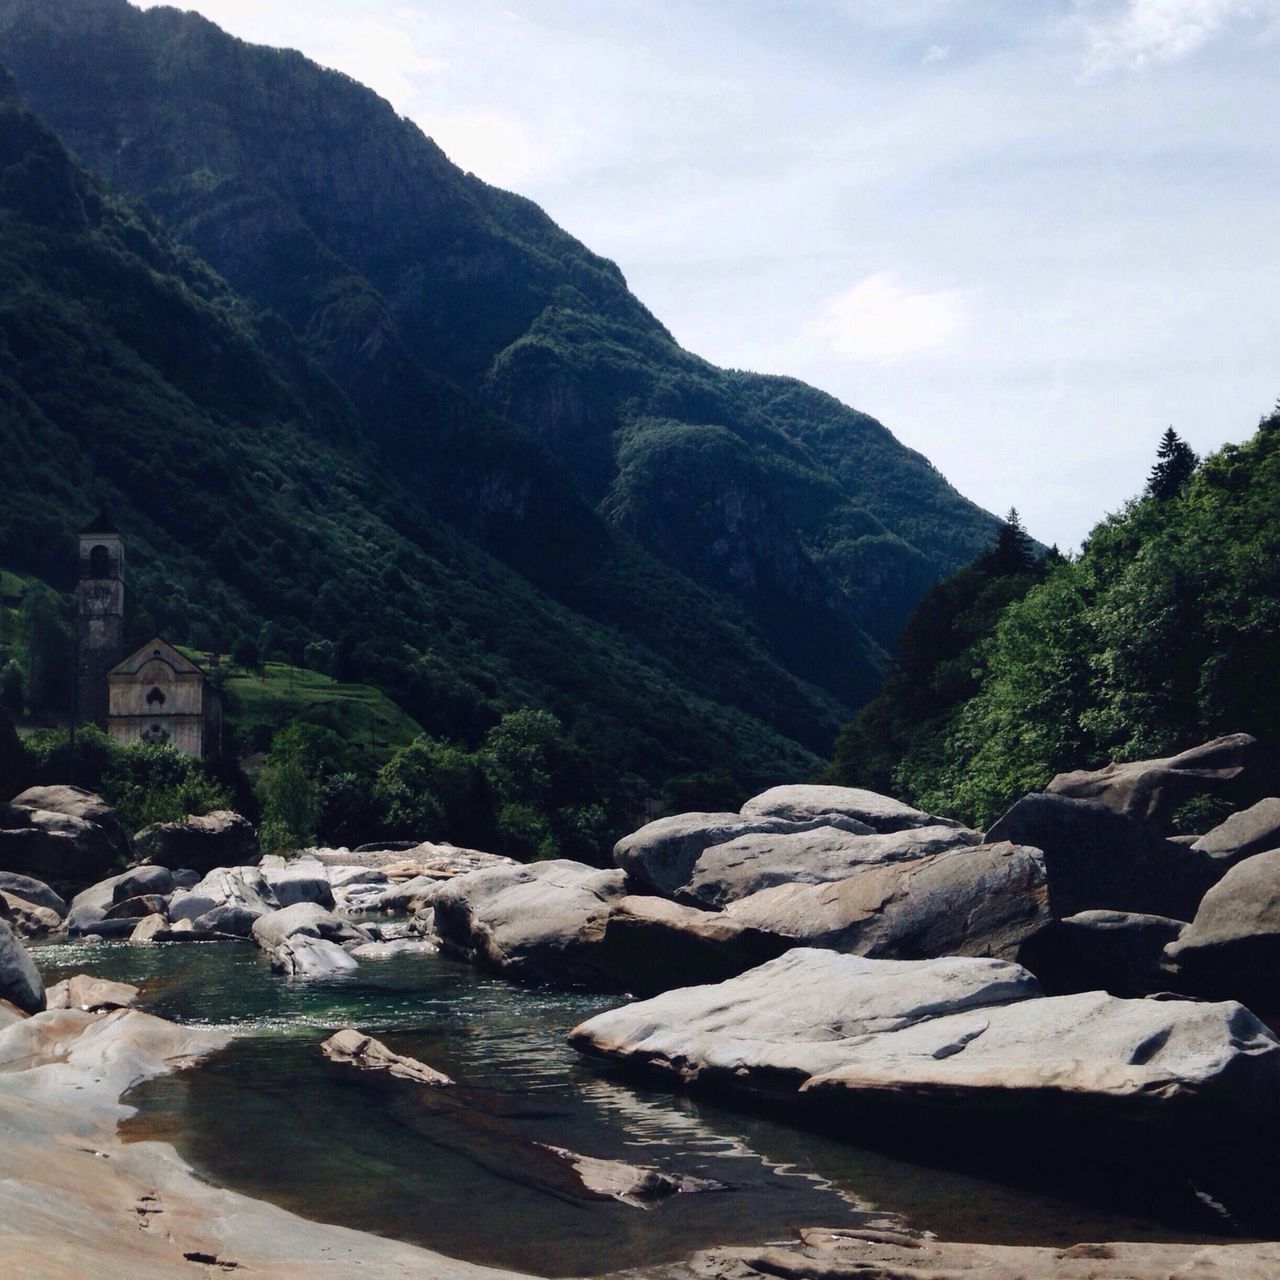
[(267, 1116)]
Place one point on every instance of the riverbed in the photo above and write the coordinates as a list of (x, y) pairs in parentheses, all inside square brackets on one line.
[(269, 1118)]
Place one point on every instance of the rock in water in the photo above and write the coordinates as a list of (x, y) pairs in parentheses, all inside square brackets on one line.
[(20, 982), (218, 839), (300, 879), (303, 941), (92, 994), (1237, 766), (536, 923), (800, 803), (964, 1035), (980, 901), (746, 864), (1101, 859), (351, 1048)]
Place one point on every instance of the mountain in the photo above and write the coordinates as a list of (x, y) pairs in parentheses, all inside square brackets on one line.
[(449, 311), (132, 376)]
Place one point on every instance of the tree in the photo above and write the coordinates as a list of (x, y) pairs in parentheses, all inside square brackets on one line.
[(1176, 460), (1012, 552), (246, 654)]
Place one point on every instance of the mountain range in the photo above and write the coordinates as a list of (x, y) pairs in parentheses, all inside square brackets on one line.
[(338, 387)]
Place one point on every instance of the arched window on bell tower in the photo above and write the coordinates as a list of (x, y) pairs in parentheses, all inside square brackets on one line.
[(99, 562)]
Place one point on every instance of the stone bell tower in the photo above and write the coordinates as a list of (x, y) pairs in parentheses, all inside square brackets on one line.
[(100, 616)]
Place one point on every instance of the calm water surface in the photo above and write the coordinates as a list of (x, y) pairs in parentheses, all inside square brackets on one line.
[(267, 1116)]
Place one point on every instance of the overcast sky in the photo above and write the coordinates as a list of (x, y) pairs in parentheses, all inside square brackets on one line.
[(1028, 235)]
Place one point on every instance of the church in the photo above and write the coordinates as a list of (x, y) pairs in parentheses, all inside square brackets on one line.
[(154, 694)]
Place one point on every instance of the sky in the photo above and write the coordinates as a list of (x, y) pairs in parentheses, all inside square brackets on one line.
[(1027, 235)]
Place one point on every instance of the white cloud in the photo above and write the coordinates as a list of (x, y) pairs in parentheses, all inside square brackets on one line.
[(1151, 31), (879, 321), (935, 53)]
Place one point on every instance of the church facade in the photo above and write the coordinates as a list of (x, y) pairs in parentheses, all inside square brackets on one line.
[(156, 693)]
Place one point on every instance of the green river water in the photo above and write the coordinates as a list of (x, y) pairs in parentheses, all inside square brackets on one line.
[(268, 1117)]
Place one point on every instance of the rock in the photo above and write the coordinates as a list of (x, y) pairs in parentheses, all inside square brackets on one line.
[(92, 994), (651, 945), (740, 867), (72, 843), (241, 887), (185, 878), (973, 901), (149, 926), (28, 919), (637, 1185), (307, 957), (1075, 1057), (20, 982), (300, 879), (145, 879), (767, 1031), (1115, 951), (10, 1013), (661, 855), (1252, 830), (231, 920), (302, 919), (1233, 944), (801, 803), (357, 889), (1237, 766), (147, 904), (403, 859), (32, 891), (1101, 859), (966, 1037), (535, 923), (350, 1048), (90, 906), (395, 947), (410, 897), (218, 839)]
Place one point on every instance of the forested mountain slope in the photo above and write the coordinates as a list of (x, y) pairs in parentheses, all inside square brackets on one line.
[(1163, 633), (132, 377), (443, 306)]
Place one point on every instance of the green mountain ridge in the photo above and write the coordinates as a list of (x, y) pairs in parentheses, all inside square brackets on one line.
[(447, 309), (131, 375)]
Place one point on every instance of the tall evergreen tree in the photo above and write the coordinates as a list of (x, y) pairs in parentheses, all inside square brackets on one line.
[(1012, 552), (1175, 462)]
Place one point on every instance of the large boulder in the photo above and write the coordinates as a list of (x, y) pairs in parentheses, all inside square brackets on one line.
[(1116, 951), (1237, 766), (28, 919), (971, 901), (32, 890), (746, 864), (89, 907), (965, 1036), (227, 900), (218, 839), (1233, 944), (801, 803), (661, 855), (535, 923), (1249, 831), (1099, 858), (304, 940), (20, 982), (146, 879), (301, 879), (60, 834), (767, 1031)]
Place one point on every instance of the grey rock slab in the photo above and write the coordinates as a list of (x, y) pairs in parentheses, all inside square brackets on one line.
[(1100, 859), (1237, 766), (1089, 1053), (231, 919), (302, 920), (803, 802), (301, 879), (767, 1031), (83, 991), (20, 981), (746, 864), (241, 887), (536, 923), (661, 855), (1252, 830), (219, 839), (303, 956), (142, 880), (32, 890), (983, 900)]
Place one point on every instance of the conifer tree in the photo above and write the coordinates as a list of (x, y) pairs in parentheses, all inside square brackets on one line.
[(1175, 461), (1012, 552)]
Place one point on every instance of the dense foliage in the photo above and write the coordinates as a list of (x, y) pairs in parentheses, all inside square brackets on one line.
[(1165, 631)]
